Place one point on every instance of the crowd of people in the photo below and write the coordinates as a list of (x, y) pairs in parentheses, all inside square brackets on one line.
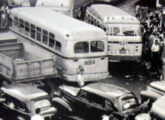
[(153, 38), (4, 16)]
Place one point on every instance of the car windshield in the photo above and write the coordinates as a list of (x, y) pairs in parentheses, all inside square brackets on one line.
[(42, 103)]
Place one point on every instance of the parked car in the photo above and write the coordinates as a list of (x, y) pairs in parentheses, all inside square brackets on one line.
[(100, 99), (20, 101), (154, 91), (157, 111)]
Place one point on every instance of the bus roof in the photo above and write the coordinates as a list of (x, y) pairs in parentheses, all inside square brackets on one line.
[(59, 24), (109, 13), (54, 3)]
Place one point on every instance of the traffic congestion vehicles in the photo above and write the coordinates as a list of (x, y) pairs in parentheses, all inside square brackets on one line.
[(22, 101), (77, 46), (19, 63), (98, 98), (123, 31)]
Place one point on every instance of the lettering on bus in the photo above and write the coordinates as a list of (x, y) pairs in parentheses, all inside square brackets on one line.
[(89, 62)]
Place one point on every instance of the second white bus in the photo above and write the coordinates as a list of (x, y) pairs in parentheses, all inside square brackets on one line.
[(123, 31), (77, 46)]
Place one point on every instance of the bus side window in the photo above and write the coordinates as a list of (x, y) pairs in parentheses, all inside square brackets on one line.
[(33, 31), (15, 21), (27, 29), (21, 25), (38, 34), (45, 37), (58, 46), (51, 40)]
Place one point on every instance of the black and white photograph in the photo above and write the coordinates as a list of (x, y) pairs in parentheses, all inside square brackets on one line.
[(82, 59)]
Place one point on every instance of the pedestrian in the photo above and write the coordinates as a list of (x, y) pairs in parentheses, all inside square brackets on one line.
[(37, 116)]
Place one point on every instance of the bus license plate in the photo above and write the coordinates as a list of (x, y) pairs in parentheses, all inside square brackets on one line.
[(122, 51), (89, 62)]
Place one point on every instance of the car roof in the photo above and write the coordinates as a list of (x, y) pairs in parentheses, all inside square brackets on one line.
[(23, 92), (105, 90), (160, 85)]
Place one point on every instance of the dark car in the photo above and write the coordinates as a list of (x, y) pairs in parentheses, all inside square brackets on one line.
[(21, 101), (100, 99)]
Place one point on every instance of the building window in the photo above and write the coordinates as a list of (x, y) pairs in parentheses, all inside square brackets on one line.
[(33, 31), (45, 37), (51, 40)]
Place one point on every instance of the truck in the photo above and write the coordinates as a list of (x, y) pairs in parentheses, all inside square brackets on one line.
[(17, 64)]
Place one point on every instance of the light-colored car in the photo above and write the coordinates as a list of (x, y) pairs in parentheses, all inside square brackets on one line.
[(22, 101), (154, 91), (100, 98)]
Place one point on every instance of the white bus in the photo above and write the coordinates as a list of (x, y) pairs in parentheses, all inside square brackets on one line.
[(62, 6), (77, 46), (123, 31)]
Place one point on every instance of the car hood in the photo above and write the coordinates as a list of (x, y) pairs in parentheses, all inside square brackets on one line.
[(105, 90), (158, 108), (160, 85), (102, 89)]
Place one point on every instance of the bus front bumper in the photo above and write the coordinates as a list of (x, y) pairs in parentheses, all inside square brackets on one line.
[(124, 58), (87, 77)]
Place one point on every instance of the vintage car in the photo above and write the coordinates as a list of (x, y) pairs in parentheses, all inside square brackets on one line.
[(21, 101), (157, 111), (100, 99), (154, 91)]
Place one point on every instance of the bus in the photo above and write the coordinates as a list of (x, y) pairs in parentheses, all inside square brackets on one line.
[(123, 31), (76, 45)]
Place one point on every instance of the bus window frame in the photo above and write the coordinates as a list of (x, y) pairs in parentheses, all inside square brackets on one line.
[(38, 34), (86, 51), (21, 25), (27, 28), (33, 31), (51, 38), (45, 37)]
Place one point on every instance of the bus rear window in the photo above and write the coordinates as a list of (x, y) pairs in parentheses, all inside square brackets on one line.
[(81, 47), (97, 46)]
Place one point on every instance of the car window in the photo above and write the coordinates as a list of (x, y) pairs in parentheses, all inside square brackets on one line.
[(15, 104)]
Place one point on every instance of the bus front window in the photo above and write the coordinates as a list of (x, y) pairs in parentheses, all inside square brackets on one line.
[(97, 46), (81, 47), (131, 31)]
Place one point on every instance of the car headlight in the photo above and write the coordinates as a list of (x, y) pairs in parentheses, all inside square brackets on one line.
[(126, 106)]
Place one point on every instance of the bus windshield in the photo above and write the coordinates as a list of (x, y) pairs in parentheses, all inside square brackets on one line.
[(123, 30), (86, 47)]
